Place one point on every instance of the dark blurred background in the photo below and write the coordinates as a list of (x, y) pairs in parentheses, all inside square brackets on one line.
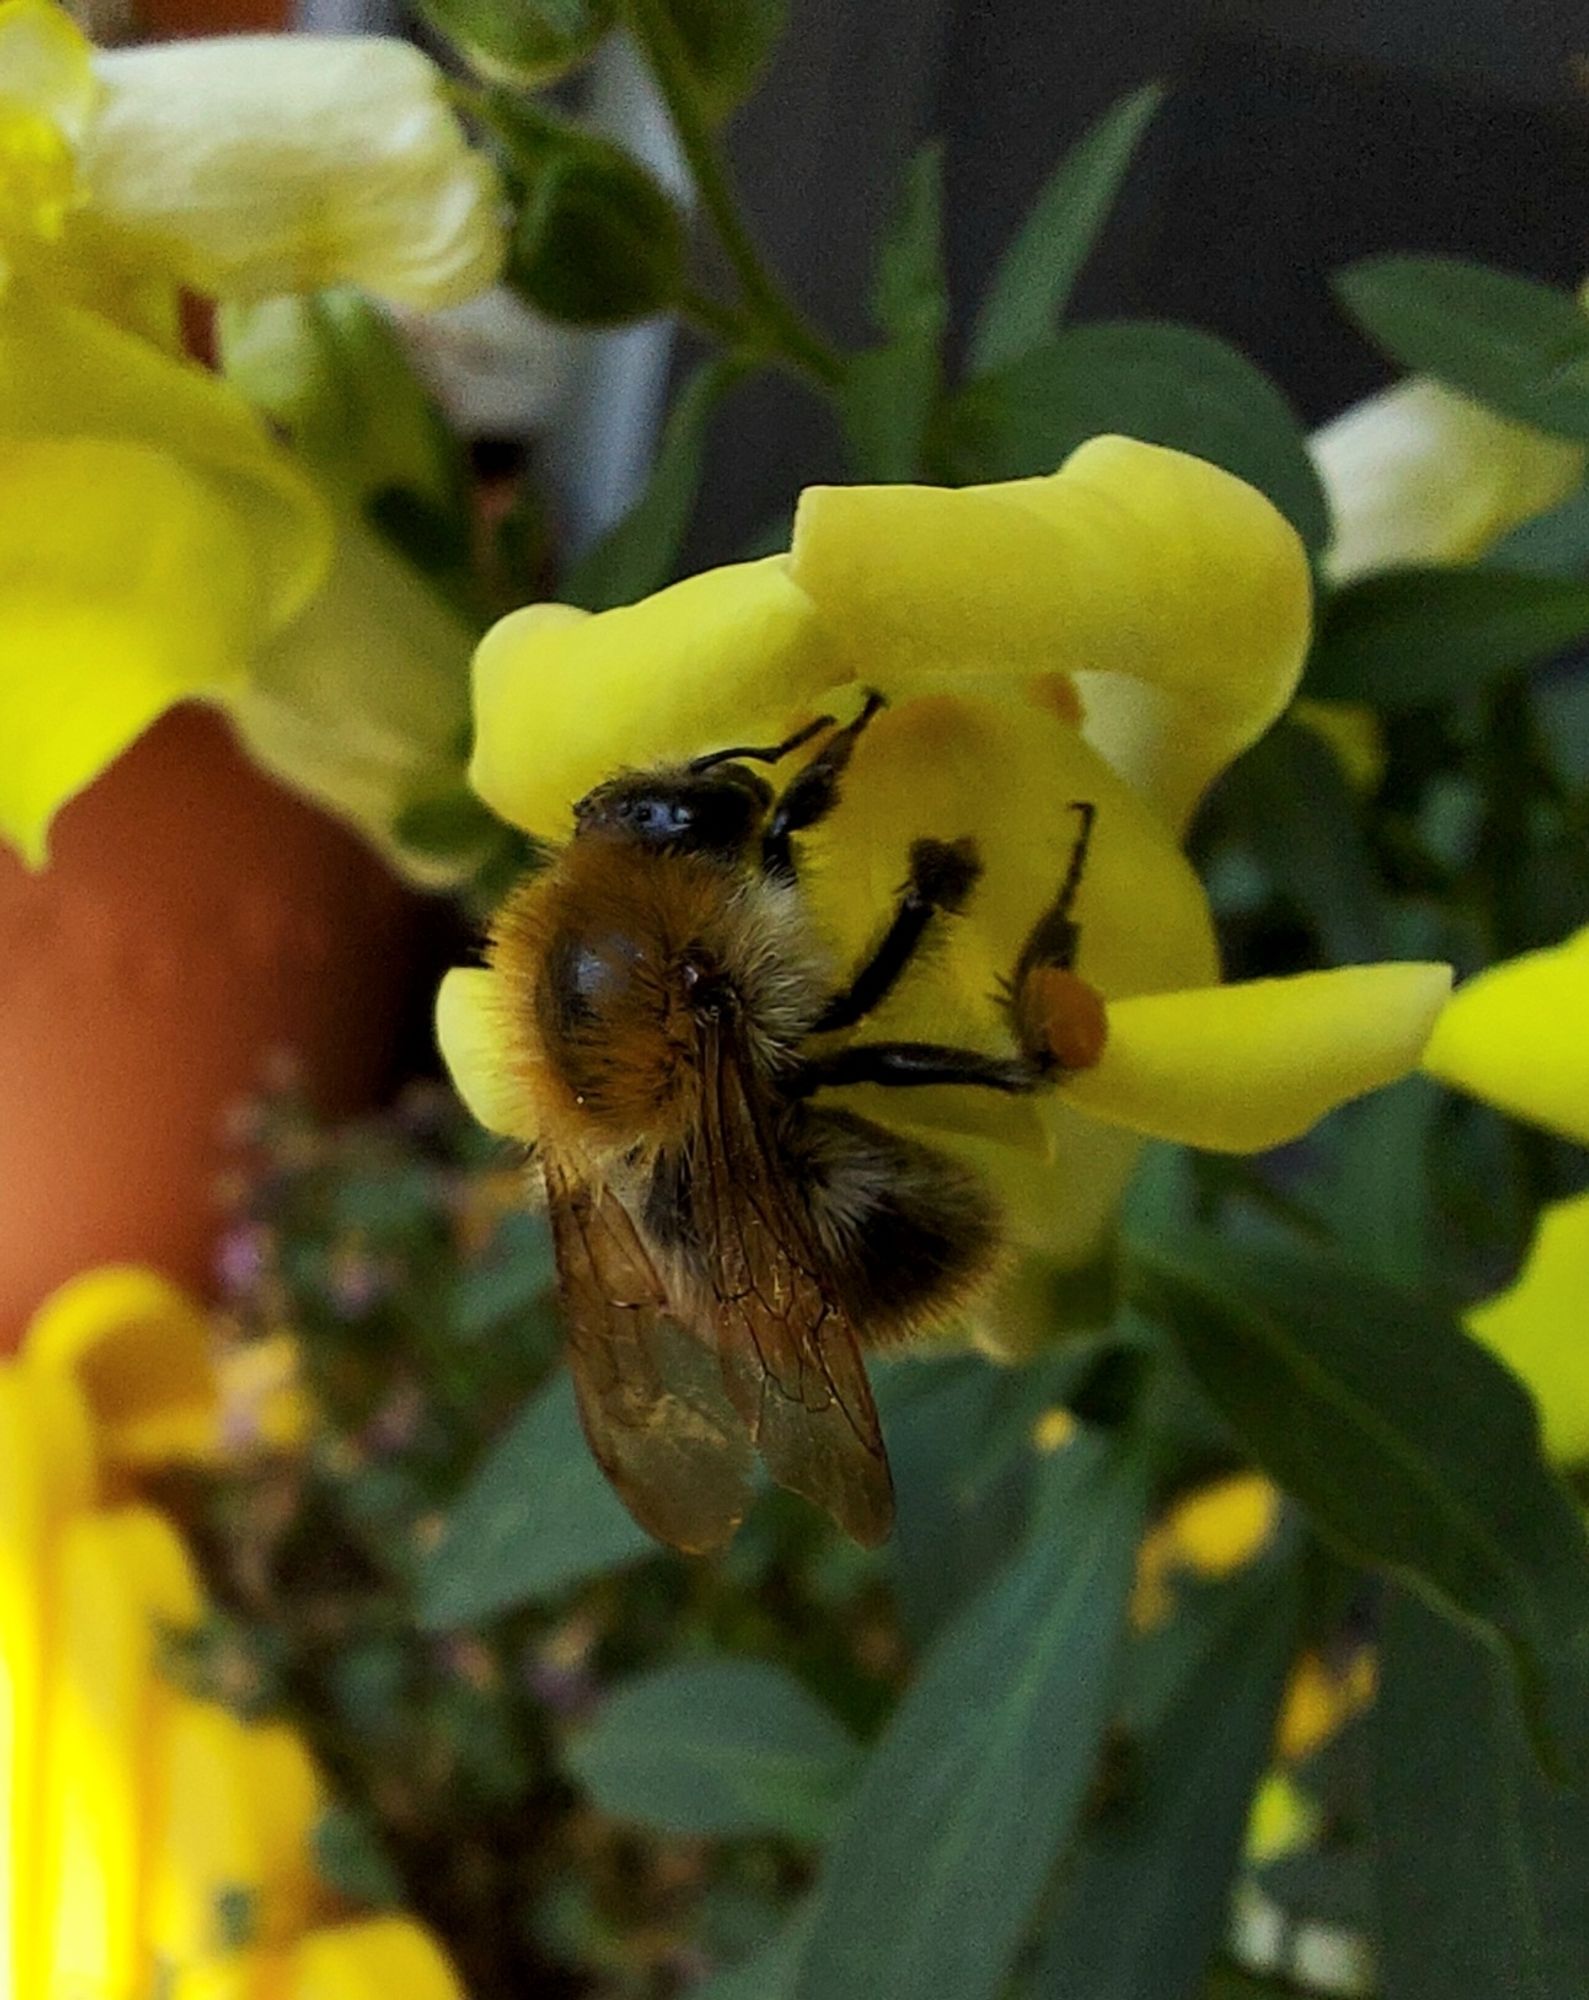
[(1298, 135)]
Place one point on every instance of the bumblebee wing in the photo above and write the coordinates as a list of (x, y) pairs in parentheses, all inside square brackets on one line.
[(789, 1352), (651, 1394)]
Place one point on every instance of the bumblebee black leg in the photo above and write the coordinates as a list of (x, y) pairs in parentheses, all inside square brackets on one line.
[(812, 795), (914, 1063), (942, 875), (1055, 936), (769, 753)]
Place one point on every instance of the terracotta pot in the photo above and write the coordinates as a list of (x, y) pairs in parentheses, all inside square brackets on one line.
[(195, 920)]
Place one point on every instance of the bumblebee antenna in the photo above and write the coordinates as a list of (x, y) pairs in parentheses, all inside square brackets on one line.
[(768, 753)]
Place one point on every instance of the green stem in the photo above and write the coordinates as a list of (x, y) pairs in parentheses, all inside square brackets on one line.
[(779, 321)]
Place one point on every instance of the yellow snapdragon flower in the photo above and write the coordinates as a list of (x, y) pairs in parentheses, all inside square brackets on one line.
[(149, 1841), (1116, 632), (1514, 1035), (154, 535)]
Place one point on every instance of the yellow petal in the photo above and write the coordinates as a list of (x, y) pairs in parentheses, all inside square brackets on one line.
[(563, 700), (124, 1578), (1220, 1528), (1353, 732), (125, 588), (1420, 474), (1175, 594), (70, 375), (1239, 1068), (372, 1961), (1515, 1037), (250, 165), (1004, 774), (476, 1044), (46, 1476), (363, 702), (46, 64), (233, 1819), (1537, 1326), (139, 1349), (47, 95)]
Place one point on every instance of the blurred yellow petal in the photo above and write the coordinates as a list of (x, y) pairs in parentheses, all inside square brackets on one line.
[(69, 375), (124, 1578), (562, 699), (47, 92), (1222, 1527), (139, 1349), (125, 589), (476, 1042), (256, 164), (1240, 1068), (1421, 474), (1353, 731), (363, 701), (1539, 1329), (46, 64), (1320, 1700), (386, 1957), (1283, 1819), (1175, 594), (234, 1811), (1515, 1037), (264, 1404), (46, 1476)]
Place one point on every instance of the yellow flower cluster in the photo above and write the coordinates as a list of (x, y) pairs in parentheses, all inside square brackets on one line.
[(153, 534), (150, 1841)]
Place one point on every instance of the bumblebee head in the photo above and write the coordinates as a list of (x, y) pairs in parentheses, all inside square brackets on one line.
[(718, 811)]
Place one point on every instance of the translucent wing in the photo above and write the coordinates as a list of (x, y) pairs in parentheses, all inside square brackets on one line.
[(788, 1348), (651, 1393)]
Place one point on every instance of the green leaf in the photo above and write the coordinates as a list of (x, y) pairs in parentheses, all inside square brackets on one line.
[(1296, 809), (1148, 1888), (1553, 544), (1415, 637), (1520, 347), (1151, 379), (527, 43), (717, 1747), (330, 370), (350, 1859), (770, 1973), (597, 241), (1038, 270), (970, 1795), (890, 393), (727, 44), (638, 554), (1415, 1450), (1483, 1869), (537, 1518)]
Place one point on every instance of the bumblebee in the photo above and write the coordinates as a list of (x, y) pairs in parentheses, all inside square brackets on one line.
[(727, 1240)]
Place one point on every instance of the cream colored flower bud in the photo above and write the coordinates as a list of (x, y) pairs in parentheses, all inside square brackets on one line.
[(250, 165), (1421, 474)]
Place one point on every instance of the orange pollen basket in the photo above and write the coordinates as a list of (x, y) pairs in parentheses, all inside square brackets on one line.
[(1068, 1016)]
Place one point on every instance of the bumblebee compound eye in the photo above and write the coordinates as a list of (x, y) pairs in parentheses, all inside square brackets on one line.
[(717, 813), (1060, 1020)]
